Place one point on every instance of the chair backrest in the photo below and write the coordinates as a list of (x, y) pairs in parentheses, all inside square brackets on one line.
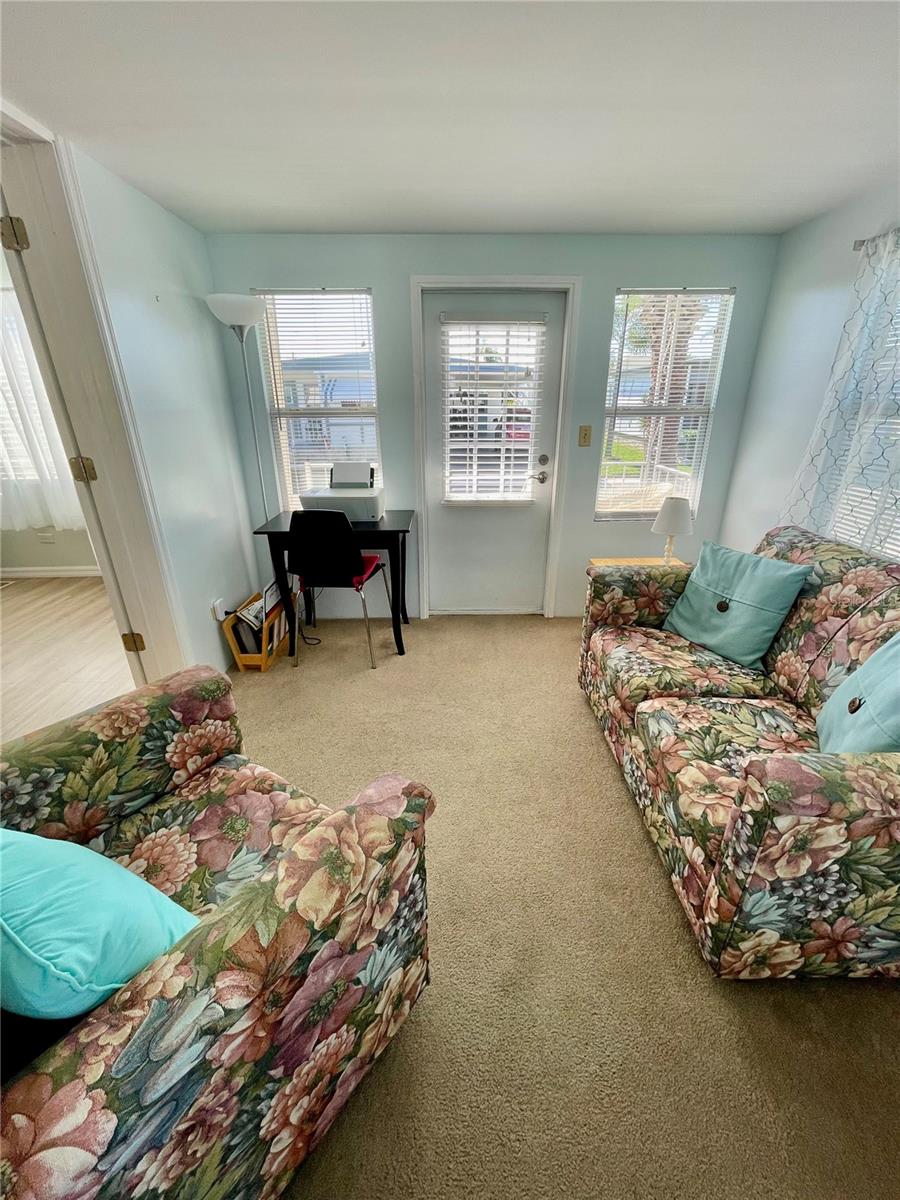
[(322, 549)]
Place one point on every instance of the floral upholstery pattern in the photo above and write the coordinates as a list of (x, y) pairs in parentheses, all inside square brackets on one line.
[(625, 595), (785, 860), (849, 606), (218, 1068), (75, 779), (203, 841), (642, 664), (808, 882), (697, 750)]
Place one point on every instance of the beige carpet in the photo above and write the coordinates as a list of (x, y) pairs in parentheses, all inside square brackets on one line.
[(572, 1045)]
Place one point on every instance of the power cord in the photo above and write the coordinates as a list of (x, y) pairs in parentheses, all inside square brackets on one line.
[(309, 641)]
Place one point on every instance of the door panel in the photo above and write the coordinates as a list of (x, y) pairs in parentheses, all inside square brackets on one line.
[(492, 373)]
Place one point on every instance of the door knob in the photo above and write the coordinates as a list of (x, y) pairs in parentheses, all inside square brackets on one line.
[(541, 477)]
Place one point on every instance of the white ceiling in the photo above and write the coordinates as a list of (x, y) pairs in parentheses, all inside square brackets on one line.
[(486, 117)]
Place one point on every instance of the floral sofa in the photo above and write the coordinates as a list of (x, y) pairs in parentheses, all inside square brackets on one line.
[(785, 859), (218, 1068)]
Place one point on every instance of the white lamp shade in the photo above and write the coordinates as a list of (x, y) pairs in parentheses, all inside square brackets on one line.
[(674, 517), (236, 309)]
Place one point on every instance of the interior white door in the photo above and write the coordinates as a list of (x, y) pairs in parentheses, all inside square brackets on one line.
[(492, 375)]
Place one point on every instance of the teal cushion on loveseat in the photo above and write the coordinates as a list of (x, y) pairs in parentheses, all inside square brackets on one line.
[(735, 603), (74, 926), (862, 714)]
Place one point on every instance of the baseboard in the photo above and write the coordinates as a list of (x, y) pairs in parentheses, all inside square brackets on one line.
[(49, 572), (485, 612)]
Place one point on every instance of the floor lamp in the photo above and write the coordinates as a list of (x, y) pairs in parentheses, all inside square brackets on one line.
[(241, 313)]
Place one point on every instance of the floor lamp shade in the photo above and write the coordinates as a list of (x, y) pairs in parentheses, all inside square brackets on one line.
[(236, 309)]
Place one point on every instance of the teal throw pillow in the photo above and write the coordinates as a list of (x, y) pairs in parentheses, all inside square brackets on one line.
[(862, 714), (735, 603), (75, 926)]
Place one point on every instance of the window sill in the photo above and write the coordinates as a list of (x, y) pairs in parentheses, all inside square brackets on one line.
[(625, 516), (487, 503)]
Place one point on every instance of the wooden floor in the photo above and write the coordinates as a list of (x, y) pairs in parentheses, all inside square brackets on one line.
[(60, 652)]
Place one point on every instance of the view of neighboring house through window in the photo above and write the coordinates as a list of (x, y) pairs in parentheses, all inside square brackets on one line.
[(319, 363), (664, 365)]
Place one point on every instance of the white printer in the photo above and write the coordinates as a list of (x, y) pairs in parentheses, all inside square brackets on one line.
[(352, 491)]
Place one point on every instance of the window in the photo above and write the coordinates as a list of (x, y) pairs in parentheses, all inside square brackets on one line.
[(35, 478), (492, 380), (848, 484), (665, 359), (319, 365)]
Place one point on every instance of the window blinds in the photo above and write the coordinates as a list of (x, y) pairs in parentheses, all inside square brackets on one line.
[(319, 366), (492, 376), (664, 366)]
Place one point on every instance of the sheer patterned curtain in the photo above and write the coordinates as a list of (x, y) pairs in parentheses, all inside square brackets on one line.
[(36, 487), (848, 486)]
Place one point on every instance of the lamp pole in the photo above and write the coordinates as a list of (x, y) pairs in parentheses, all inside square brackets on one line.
[(240, 313), (241, 332)]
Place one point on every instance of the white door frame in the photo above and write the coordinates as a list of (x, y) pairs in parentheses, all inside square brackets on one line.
[(570, 286), (72, 331)]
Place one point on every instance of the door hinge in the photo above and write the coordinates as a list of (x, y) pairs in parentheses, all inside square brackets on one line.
[(83, 469), (13, 233), (133, 642)]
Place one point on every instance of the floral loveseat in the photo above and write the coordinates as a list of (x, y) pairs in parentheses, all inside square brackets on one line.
[(786, 860), (216, 1069)]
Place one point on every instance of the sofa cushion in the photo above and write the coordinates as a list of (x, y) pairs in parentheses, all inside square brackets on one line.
[(75, 927), (640, 664), (697, 750), (848, 607), (862, 715), (216, 832), (735, 603)]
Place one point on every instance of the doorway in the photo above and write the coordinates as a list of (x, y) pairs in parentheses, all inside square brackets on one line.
[(492, 378), (61, 651)]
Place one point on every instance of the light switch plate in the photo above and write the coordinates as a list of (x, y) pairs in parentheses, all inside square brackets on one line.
[(584, 435)]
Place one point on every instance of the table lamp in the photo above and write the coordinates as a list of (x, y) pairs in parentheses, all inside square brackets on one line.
[(240, 313), (674, 517)]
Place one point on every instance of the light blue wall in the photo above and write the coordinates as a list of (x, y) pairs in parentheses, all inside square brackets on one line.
[(155, 272), (810, 300), (604, 262)]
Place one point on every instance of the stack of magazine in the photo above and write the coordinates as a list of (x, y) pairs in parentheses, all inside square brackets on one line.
[(248, 630)]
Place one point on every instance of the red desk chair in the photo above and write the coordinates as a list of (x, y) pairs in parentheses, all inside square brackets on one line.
[(322, 552)]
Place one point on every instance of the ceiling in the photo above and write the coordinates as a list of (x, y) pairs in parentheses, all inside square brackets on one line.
[(476, 117)]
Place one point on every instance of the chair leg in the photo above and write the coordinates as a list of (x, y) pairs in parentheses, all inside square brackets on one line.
[(387, 587), (297, 629), (362, 597)]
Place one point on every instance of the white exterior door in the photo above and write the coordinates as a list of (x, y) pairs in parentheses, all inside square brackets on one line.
[(492, 375)]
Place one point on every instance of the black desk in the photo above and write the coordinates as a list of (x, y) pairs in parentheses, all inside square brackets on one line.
[(387, 534)]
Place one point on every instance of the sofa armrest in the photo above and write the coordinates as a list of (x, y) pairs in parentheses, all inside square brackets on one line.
[(77, 778), (227, 1059), (808, 879), (631, 595)]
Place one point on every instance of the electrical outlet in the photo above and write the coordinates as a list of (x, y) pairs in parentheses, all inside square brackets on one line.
[(584, 435), (218, 609)]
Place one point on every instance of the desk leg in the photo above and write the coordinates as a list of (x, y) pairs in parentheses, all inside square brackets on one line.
[(403, 612), (394, 559), (309, 605), (276, 549)]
